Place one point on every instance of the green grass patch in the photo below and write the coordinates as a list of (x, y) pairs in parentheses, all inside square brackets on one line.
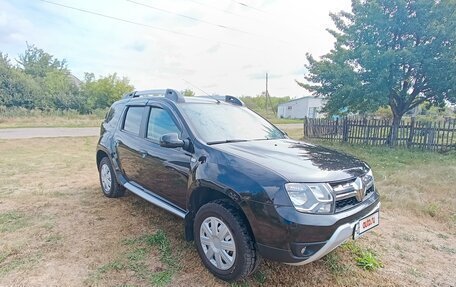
[(138, 253), (114, 265), (334, 263), (53, 239), (10, 262), (259, 277), (366, 259), (432, 209), (12, 221)]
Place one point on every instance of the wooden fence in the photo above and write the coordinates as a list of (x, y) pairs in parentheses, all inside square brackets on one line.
[(435, 136)]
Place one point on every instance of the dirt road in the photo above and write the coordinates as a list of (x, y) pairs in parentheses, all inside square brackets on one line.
[(24, 133)]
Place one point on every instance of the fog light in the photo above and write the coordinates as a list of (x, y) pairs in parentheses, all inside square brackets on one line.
[(305, 249)]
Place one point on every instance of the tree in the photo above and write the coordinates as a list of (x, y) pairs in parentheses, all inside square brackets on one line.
[(103, 92), (60, 92), (396, 53), (188, 93), (258, 103), (16, 88), (56, 88), (37, 63)]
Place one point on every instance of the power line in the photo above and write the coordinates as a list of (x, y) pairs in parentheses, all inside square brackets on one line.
[(137, 23), (215, 8), (189, 17), (248, 6), (204, 21)]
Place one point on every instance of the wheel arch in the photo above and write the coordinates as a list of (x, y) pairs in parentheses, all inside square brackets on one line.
[(100, 155), (202, 195)]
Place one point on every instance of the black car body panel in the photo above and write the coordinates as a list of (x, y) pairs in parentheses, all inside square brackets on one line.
[(252, 174), (297, 161)]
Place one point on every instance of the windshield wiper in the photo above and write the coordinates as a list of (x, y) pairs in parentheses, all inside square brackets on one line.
[(226, 141)]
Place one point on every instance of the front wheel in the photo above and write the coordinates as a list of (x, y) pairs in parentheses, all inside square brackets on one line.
[(108, 181), (223, 241)]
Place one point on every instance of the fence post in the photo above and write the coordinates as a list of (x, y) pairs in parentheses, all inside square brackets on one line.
[(411, 132), (431, 136), (344, 130), (305, 127)]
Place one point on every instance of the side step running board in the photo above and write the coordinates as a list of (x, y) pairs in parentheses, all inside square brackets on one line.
[(155, 200)]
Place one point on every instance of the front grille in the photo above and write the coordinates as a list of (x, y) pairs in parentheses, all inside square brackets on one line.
[(350, 202), (345, 204)]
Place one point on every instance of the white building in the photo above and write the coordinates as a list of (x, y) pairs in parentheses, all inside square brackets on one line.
[(300, 108)]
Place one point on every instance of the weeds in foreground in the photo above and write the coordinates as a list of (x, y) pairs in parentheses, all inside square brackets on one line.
[(259, 277), (333, 262), (432, 209), (365, 258)]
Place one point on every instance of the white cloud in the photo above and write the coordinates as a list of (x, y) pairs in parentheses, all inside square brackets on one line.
[(214, 58)]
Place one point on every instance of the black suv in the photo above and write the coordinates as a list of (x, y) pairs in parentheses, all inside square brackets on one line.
[(244, 189)]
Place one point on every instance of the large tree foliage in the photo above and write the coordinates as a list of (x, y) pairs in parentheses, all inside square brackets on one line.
[(37, 63), (102, 92), (396, 53), (16, 88), (40, 81)]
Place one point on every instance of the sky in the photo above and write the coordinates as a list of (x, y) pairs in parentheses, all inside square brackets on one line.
[(215, 47)]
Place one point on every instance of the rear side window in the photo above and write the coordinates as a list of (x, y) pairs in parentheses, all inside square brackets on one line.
[(110, 114), (160, 123), (133, 120)]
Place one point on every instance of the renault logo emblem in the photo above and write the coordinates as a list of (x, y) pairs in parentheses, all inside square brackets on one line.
[(360, 189)]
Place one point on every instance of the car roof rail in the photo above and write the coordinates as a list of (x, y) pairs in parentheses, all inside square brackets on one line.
[(169, 94), (227, 98)]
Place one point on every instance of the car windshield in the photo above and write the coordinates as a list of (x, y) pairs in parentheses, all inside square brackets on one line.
[(222, 123)]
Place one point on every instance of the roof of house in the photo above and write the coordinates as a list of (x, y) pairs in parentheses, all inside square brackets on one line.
[(298, 99)]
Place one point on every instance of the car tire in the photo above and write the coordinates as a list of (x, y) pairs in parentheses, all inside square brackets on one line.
[(108, 181), (224, 242)]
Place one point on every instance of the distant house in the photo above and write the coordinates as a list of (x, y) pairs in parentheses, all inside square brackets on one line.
[(75, 80), (300, 108)]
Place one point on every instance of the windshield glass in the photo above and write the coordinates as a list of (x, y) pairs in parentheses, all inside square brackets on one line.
[(220, 123)]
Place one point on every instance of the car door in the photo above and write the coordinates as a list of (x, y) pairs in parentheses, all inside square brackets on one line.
[(166, 170), (129, 140)]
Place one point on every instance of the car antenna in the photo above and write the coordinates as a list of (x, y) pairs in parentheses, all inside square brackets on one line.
[(207, 94)]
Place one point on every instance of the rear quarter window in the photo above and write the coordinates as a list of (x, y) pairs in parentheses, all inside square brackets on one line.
[(109, 115), (133, 119)]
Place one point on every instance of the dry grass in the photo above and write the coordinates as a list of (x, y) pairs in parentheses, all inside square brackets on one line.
[(57, 229), (71, 120)]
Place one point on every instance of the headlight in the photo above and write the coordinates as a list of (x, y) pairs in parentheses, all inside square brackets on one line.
[(310, 197), (368, 178)]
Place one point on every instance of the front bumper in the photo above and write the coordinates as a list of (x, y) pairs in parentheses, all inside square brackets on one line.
[(342, 234), (308, 238)]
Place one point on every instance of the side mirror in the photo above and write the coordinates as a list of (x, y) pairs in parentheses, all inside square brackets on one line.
[(171, 140)]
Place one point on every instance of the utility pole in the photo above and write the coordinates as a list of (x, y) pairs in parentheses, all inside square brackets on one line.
[(266, 93), (268, 99)]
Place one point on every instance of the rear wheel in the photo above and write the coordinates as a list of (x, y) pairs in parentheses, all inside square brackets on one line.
[(108, 181), (223, 241)]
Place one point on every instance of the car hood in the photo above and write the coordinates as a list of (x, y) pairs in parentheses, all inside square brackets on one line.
[(297, 161)]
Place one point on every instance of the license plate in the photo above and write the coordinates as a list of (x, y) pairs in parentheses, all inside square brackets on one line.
[(366, 224)]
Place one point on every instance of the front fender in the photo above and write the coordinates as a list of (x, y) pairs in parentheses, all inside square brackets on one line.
[(241, 182)]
